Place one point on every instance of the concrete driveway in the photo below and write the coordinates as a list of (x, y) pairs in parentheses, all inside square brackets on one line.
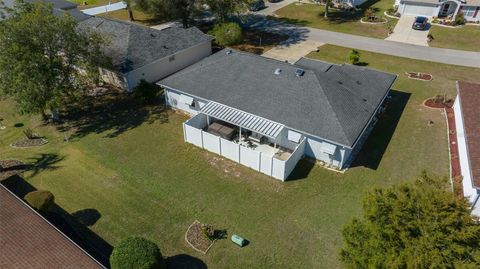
[(292, 51), (272, 7), (404, 33)]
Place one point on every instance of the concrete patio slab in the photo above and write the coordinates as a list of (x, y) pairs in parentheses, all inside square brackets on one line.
[(404, 33)]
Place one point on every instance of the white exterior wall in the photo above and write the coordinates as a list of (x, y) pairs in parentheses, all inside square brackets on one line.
[(172, 98), (471, 18), (157, 70), (469, 192), (418, 9), (313, 149), (356, 3)]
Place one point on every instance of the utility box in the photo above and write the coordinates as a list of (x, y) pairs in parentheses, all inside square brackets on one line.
[(239, 240)]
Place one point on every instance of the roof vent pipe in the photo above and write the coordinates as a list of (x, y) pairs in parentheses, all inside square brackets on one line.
[(299, 72), (277, 71)]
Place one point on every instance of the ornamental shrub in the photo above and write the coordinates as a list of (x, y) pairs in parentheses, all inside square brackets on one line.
[(460, 19), (40, 200), (227, 34), (146, 91), (136, 253), (354, 56)]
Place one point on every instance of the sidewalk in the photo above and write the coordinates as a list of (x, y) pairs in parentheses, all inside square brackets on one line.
[(105, 8)]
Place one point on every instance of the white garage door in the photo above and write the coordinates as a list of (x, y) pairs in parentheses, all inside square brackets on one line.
[(419, 10)]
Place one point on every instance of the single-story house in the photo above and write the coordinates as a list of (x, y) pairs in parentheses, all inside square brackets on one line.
[(60, 7), (440, 8), (28, 240), (467, 121), (350, 3), (267, 114), (140, 52)]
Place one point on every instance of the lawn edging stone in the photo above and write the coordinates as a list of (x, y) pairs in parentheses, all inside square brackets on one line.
[(201, 244)]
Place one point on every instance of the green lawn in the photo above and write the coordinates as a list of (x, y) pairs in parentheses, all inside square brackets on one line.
[(464, 38), (131, 165), (340, 21), (92, 3), (139, 16)]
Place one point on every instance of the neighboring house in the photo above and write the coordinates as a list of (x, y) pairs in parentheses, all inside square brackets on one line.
[(60, 7), (283, 111), (139, 52), (350, 3), (29, 241), (440, 8), (467, 120)]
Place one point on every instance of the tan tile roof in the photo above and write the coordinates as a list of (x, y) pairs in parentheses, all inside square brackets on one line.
[(473, 3), (27, 240), (469, 94)]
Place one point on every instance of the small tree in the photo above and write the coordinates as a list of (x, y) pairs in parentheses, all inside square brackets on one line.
[(413, 225), (223, 9), (369, 14), (40, 200), (460, 18), (227, 34), (136, 252), (146, 91), (45, 61), (354, 56), (129, 4), (327, 5)]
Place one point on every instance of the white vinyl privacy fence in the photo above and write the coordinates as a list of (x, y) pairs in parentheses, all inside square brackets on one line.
[(256, 160)]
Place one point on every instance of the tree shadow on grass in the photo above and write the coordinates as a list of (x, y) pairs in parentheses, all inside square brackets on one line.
[(377, 142), (280, 26), (66, 223), (111, 114), (184, 261), (41, 162)]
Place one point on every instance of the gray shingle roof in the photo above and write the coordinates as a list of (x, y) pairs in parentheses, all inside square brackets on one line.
[(60, 7), (133, 46), (334, 102)]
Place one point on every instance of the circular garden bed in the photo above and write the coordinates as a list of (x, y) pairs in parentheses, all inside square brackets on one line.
[(377, 20), (29, 142)]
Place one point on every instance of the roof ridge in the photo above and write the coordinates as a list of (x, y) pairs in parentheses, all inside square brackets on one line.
[(337, 121), (196, 67)]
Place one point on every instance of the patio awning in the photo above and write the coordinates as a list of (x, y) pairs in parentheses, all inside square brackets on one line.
[(243, 119)]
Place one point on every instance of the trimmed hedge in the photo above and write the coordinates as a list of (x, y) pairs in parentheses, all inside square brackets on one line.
[(40, 200), (227, 34), (136, 253)]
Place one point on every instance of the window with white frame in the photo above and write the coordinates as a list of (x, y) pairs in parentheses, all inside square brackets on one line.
[(468, 11)]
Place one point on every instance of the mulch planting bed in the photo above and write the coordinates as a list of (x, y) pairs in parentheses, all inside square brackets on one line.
[(432, 103), (27, 143), (419, 76), (454, 159), (197, 239), (10, 168)]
